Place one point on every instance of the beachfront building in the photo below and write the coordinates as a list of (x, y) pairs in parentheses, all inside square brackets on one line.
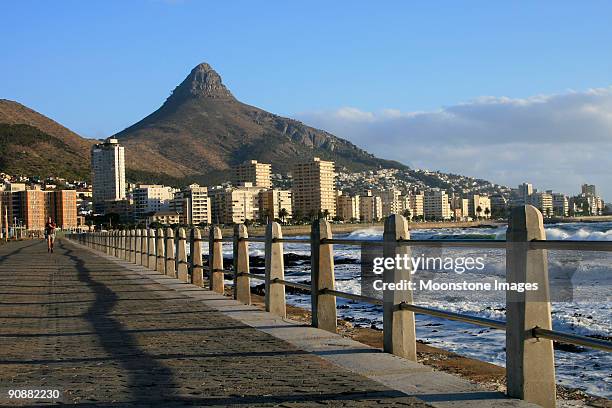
[(436, 205), (391, 202), (258, 174), (560, 204), (543, 202), (275, 204), (479, 206), (150, 199), (107, 173), (193, 205), (499, 205), (314, 188), (460, 208), (235, 205), (30, 208), (347, 207), (370, 208), (164, 218)]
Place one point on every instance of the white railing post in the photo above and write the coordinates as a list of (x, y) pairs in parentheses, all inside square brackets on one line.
[(275, 269), (137, 246), (160, 249), (132, 257), (197, 267), (151, 258), (242, 283), (399, 335), (182, 266), (530, 362), (122, 245), (215, 260), (144, 248), (170, 253), (324, 315)]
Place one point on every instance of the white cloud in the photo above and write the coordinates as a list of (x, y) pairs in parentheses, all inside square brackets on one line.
[(555, 141)]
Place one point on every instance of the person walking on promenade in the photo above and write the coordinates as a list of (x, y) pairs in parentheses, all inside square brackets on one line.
[(50, 234)]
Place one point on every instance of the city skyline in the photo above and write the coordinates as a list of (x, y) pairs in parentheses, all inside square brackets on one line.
[(490, 102)]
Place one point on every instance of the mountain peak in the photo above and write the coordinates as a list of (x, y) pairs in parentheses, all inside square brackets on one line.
[(202, 82)]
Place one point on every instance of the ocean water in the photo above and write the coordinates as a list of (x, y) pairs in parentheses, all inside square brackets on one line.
[(580, 284)]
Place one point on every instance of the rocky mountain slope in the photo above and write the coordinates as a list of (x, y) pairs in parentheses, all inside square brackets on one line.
[(202, 130), (32, 144)]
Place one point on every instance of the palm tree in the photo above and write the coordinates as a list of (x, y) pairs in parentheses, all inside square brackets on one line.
[(487, 212), (478, 211), (406, 213), (282, 214)]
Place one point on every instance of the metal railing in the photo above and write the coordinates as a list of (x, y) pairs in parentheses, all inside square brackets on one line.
[(529, 347)]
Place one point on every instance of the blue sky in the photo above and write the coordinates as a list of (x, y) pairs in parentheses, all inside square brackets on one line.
[(98, 67)]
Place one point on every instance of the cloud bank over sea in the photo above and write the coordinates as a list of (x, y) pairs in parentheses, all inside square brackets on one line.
[(555, 141)]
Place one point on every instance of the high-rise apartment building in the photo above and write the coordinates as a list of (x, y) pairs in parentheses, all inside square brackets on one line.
[(235, 205), (370, 208), (460, 207), (560, 204), (107, 173), (543, 202), (347, 207), (275, 204), (436, 205), (314, 188), (415, 205), (193, 205), (390, 199), (258, 174), (478, 202), (151, 198), (31, 208), (589, 190)]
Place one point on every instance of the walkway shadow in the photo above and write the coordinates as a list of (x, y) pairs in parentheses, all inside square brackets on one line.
[(149, 381)]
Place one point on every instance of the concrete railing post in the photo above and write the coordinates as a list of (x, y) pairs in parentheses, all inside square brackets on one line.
[(137, 246), (215, 259), (275, 269), (132, 255), (115, 237), (170, 253), (144, 248), (116, 244), (530, 363), (322, 277), (108, 242), (160, 250), (242, 283), (151, 258), (399, 335), (182, 266), (197, 266), (122, 244)]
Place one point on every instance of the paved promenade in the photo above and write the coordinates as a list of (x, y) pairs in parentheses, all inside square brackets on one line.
[(101, 333)]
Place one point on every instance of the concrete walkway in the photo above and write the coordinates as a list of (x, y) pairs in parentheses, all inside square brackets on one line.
[(102, 331)]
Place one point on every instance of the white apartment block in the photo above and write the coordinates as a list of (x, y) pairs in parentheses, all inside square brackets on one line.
[(193, 205), (347, 207), (314, 188), (275, 204), (107, 173), (391, 203), (560, 204), (151, 198), (370, 208), (543, 202), (415, 205), (460, 207), (235, 205), (258, 174), (481, 202), (436, 205)]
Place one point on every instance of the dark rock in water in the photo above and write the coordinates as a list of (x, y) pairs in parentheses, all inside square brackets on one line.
[(570, 348)]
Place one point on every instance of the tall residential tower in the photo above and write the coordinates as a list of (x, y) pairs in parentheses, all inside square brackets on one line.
[(107, 173)]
